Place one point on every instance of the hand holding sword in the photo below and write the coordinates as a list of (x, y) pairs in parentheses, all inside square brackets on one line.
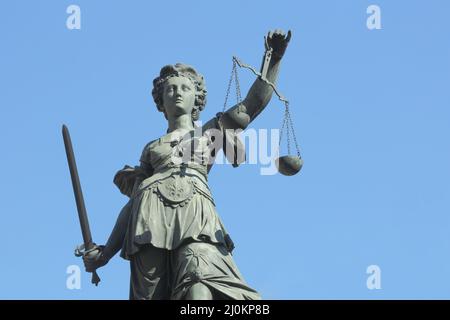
[(92, 254)]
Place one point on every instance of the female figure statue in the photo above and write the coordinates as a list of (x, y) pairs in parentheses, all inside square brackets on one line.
[(169, 230)]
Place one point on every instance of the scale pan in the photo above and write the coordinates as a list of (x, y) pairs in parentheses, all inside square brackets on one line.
[(235, 119), (289, 165)]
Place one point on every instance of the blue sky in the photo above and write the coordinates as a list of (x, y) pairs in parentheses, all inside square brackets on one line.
[(371, 110)]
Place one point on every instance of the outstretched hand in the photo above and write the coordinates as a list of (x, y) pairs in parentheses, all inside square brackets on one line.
[(277, 41)]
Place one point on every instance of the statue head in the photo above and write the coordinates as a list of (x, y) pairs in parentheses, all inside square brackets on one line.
[(179, 89)]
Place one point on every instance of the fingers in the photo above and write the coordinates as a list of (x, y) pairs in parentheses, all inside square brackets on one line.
[(91, 258), (90, 265), (278, 33)]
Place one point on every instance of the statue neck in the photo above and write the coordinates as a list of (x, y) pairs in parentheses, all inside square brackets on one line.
[(181, 122)]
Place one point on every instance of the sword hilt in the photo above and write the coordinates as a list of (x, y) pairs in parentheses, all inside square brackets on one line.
[(81, 251)]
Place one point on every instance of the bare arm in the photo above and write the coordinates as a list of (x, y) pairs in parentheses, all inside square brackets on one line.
[(99, 257), (117, 236), (261, 92)]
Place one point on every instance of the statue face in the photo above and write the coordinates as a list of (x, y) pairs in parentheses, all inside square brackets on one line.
[(178, 96)]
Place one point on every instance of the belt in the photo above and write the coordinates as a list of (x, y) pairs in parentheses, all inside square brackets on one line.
[(183, 168), (199, 176)]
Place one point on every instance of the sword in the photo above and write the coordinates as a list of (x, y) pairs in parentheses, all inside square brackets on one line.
[(89, 245)]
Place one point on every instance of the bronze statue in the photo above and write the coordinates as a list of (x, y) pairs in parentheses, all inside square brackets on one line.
[(170, 230)]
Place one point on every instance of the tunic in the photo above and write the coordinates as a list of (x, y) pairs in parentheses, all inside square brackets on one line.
[(175, 237)]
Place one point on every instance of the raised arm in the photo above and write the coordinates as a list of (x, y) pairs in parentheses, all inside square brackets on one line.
[(260, 93)]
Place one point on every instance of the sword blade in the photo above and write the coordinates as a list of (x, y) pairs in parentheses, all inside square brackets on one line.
[(82, 214)]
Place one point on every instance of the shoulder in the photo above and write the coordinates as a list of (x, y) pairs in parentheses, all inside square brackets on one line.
[(146, 150), (149, 144)]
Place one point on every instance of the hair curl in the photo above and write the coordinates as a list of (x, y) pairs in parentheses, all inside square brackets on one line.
[(183, 70)]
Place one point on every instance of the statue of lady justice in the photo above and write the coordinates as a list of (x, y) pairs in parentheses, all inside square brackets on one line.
[(169, 230)]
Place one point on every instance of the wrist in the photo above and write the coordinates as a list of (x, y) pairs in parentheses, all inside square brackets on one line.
[(276, 58), (106, 255)]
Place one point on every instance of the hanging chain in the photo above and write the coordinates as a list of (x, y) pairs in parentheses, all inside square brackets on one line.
[(287, 119), (288, 129), (238, 86), (293, 133), (282, 128), (234, 75), (233, 71), (288, 123)]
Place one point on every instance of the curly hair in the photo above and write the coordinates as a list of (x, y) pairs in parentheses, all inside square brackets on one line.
[(180, 70)]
